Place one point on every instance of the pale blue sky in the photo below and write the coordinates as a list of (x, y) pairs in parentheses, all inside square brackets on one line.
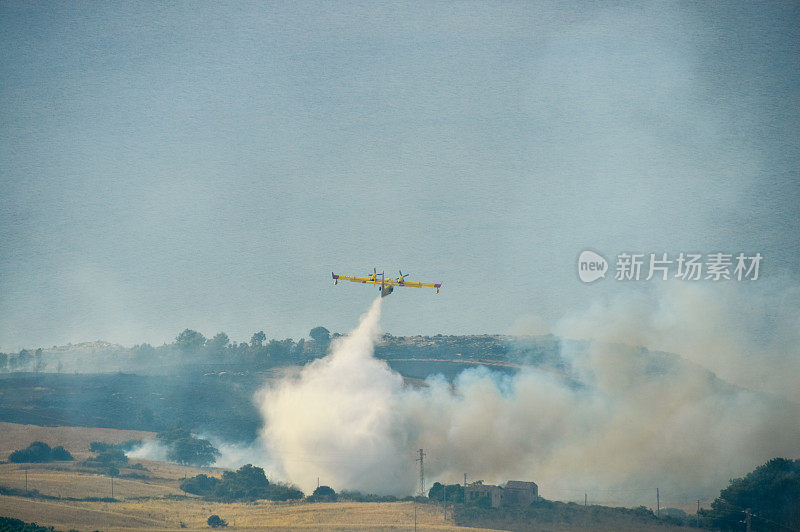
[(207, 165)]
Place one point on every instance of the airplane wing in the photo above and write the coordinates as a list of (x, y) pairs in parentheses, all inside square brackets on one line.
[(394, 282), (415, 284), (363, 280)]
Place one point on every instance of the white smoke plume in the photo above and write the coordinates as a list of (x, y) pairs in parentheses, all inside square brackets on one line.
[(340, 418), (150, 450), (635, 422)]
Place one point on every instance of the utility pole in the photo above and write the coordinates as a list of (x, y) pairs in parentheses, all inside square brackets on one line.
[(465, 480), (421, 472), (698, 513), (585, 499), (658, 504), (747, 515)]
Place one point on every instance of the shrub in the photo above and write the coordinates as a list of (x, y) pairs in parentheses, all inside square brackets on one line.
[(449, 493), (9, 524), (60, 454), (185, 449), (283, 492), (323, 493), (39, 452), (200, 485), (216, 522), (112, 457), (109, 458), (248, 483)]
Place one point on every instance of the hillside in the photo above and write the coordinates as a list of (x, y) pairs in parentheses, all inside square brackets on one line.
[(160, 388)]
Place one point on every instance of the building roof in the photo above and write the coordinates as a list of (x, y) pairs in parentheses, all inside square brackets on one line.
[(520, 485)]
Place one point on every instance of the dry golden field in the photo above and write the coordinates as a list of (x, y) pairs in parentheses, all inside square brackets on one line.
[(70, 480), (193, 513), (144, 506), (14, 436)]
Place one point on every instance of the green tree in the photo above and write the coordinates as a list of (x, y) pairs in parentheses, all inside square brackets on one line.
[(247, 483), (38, 360), (99, 446), (321, 337), (60, 454), (282, 492), (24, 359), (324, 493), (280, 349), (193, 451), (9, 524), (190, 341), (251, 478), (112, 456), (143, 353), (299, 349), (771, 492), (217, 345), (257, 340), (449, 493), (216, 522), (39, 452), (200, 485)]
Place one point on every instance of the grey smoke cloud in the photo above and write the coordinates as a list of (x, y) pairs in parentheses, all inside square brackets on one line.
[(747, 334), (639, 420)]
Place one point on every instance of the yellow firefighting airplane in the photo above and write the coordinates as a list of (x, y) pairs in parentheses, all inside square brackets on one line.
[(386, 286)]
